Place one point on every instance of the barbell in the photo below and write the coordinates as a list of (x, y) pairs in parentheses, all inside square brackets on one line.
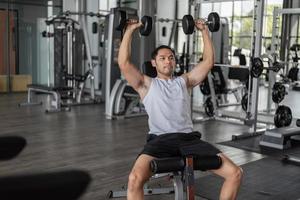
[(258, 67), (188, 22)]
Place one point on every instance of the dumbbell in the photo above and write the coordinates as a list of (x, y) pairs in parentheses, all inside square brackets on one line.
[(145, 29), (258, 67), (188, 22)]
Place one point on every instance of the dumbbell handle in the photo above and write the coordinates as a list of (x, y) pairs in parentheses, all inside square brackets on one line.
[(168, 20), (178, 20), (132, 21)]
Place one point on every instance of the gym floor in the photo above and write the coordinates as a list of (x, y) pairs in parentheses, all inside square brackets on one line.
[(84, 139)]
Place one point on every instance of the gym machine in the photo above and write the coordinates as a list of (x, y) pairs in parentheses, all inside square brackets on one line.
[(253, 88), (283, 116), (279, 138), (241, 73), (70, 75), (215, 89), (294, 72)]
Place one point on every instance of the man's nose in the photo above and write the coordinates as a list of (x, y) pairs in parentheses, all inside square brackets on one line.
[(168, 60)]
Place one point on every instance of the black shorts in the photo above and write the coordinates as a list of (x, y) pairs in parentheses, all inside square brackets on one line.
[(178, 144)]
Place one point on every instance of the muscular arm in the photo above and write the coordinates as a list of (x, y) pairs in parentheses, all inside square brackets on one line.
[(132, 74), (200, 71)]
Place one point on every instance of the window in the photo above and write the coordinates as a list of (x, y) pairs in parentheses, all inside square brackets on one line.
[(240, 22)]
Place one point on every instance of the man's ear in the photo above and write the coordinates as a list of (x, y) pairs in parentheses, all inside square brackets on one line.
[(153, 63)]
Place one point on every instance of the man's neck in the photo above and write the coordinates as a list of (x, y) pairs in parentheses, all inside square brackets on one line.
[(160, 76)]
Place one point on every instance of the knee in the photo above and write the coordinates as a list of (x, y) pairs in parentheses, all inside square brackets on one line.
[(236, 174), (135, 181)]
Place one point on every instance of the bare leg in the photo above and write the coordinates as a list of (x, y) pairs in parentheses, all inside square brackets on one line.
[(139, 174), (232, 175)]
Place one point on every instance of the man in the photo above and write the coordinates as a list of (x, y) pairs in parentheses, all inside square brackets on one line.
[(167, 102)]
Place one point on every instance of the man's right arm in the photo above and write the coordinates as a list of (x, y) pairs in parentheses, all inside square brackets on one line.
[(132, 74)]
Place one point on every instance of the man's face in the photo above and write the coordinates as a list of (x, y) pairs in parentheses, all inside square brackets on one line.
[(164, 62)]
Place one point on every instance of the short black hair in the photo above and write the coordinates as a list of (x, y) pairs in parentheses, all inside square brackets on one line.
[(155, 52)]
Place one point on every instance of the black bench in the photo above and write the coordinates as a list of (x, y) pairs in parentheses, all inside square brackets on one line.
[(55, 93)]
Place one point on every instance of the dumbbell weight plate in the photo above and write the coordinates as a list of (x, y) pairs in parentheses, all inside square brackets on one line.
[(257, 67), (146, 29), (188, 24), (121, 16), (283, 116), (214, 22), (278, 92)]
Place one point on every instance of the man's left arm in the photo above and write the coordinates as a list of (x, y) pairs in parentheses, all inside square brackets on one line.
[(200, 71)]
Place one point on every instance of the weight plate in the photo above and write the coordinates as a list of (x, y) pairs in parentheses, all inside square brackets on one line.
[(146, 29), (188, 24), (283, 116), (214, 22), (257, 67), (278, 92)]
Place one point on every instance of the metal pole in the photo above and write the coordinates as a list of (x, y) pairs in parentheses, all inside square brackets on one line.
[(109, 62), (274, 47), (69, 29), (89, 57), (256, 51)]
